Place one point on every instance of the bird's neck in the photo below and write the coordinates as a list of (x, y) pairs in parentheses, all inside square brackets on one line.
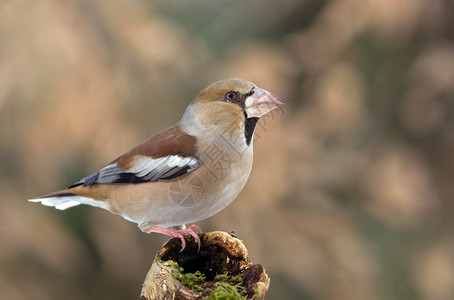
[(228, 133)]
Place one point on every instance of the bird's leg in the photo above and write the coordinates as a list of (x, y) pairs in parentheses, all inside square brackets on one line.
[(179, 233)]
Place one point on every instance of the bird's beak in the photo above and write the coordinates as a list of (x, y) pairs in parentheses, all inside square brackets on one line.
[(261, 102)]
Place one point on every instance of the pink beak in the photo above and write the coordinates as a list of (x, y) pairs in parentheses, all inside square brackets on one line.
[(261, 102)]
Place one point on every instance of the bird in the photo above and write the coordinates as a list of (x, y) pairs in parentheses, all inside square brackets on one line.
[(184, 174)]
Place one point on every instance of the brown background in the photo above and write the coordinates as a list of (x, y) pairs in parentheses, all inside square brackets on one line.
[(351, 194)]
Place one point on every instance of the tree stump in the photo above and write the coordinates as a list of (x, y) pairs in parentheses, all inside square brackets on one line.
[(220, 270)]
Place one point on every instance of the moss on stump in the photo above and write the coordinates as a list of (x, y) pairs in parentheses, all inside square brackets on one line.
[(221, 270)]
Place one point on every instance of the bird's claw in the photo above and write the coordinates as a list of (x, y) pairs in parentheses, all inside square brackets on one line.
[(191, 230), (179, 234)]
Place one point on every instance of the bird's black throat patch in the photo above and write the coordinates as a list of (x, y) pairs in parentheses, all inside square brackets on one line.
[(249, 127)]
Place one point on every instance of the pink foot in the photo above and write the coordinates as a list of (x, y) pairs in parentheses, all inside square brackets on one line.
[(178, 233)]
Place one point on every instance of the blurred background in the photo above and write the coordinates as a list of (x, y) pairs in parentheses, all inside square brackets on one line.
[(351, 194)]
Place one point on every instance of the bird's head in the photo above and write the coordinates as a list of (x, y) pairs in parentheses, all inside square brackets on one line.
[(228, 108)]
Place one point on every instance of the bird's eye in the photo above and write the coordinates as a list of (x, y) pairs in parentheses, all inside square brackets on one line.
[(230, 96)]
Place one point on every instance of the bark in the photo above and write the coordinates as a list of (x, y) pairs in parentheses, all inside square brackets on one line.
[(221, 269)]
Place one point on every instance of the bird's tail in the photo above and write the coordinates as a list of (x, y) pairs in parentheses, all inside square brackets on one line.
[(65, 199), (60, 200)]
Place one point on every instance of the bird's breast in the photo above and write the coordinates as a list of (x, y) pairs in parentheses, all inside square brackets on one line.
[(227, 176)]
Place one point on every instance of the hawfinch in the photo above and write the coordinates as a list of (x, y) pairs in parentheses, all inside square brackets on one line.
[(184, 174)]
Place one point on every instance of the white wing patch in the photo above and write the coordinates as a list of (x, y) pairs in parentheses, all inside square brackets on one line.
[(143, 165), (149, 168)]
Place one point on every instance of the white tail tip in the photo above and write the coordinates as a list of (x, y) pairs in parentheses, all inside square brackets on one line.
[(60, 203), (66, 202)]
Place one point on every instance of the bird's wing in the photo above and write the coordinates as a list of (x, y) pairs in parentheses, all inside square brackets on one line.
[(166, 155)]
